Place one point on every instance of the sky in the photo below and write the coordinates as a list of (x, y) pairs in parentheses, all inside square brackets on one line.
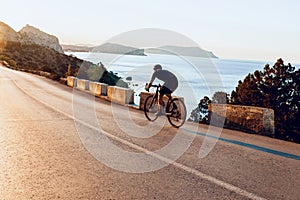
[(231, 29)]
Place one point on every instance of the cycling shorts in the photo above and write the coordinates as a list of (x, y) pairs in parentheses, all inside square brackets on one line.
[(164, 90)]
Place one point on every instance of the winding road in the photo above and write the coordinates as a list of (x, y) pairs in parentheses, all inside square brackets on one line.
[(60, 143)]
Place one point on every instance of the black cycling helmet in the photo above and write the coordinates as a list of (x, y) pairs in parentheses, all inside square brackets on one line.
[(158, 66)]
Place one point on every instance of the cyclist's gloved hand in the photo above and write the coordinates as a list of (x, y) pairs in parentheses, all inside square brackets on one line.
[(147, 87)]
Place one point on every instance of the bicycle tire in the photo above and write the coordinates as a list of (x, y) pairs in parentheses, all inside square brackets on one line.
[(176, 112), (150, 108)]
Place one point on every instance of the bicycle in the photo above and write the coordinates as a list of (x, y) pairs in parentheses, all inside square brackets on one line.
[(175, 109)]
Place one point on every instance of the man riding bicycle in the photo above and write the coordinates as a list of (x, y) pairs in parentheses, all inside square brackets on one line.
[(169, 86)]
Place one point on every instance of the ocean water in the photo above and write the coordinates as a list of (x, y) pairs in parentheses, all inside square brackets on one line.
[(198, 77)]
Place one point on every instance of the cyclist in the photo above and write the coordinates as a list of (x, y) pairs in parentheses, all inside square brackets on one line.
[(169, 86)]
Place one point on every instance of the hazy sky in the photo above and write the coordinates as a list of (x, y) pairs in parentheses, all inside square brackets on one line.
[(233, 29)]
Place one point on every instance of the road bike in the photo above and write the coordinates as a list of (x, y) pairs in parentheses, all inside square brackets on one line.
[(175, 109)]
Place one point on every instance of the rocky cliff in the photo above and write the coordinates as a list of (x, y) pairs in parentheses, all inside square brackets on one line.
[(28, 35), (32, 35), (32, 50), (8, 34)]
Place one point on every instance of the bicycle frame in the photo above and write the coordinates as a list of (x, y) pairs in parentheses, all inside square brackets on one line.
[(175, 108), (157, 91)]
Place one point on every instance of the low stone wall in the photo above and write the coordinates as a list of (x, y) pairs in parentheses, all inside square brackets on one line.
[(120, 95), (45, 74), (246, 118), (83, 84), (72, 81), (111, 93), (98, 89)]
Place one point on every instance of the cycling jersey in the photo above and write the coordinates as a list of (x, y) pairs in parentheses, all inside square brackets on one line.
[(169, 79)]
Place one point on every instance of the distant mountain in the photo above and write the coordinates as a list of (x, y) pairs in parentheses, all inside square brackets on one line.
[(121, 49), (118, 49), (183, 51), (76, 48), (106, 48)]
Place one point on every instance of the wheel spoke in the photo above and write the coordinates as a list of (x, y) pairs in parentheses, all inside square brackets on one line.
[(177, 111), (150, 108)]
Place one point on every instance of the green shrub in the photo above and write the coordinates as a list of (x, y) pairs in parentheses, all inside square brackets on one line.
[(40, 58), (278, 88)]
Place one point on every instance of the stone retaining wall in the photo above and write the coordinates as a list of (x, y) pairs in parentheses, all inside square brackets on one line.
[(246, 118), (72, 81), (120, 95), (98, 89), (112, 93), (83, 84)]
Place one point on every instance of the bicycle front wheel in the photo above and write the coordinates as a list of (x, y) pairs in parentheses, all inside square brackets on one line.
[(176, 112), (151, 108)]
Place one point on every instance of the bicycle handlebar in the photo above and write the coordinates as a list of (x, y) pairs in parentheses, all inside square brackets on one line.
[(156, 85)]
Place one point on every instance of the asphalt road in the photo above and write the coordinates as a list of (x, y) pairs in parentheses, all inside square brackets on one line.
[(58, 143)]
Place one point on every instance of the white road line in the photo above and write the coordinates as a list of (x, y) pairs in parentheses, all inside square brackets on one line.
[(209, 178)]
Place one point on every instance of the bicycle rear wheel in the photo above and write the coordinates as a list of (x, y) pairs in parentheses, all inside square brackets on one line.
[(176, 112), (151, 108)]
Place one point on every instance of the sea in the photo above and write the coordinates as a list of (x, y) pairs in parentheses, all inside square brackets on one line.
[(198, 77)]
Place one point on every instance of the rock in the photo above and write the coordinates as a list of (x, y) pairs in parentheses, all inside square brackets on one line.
[(28, 35), (32, 35), (7, 33)]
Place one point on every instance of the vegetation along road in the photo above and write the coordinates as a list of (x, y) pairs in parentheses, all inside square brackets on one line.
[(52, 148)]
